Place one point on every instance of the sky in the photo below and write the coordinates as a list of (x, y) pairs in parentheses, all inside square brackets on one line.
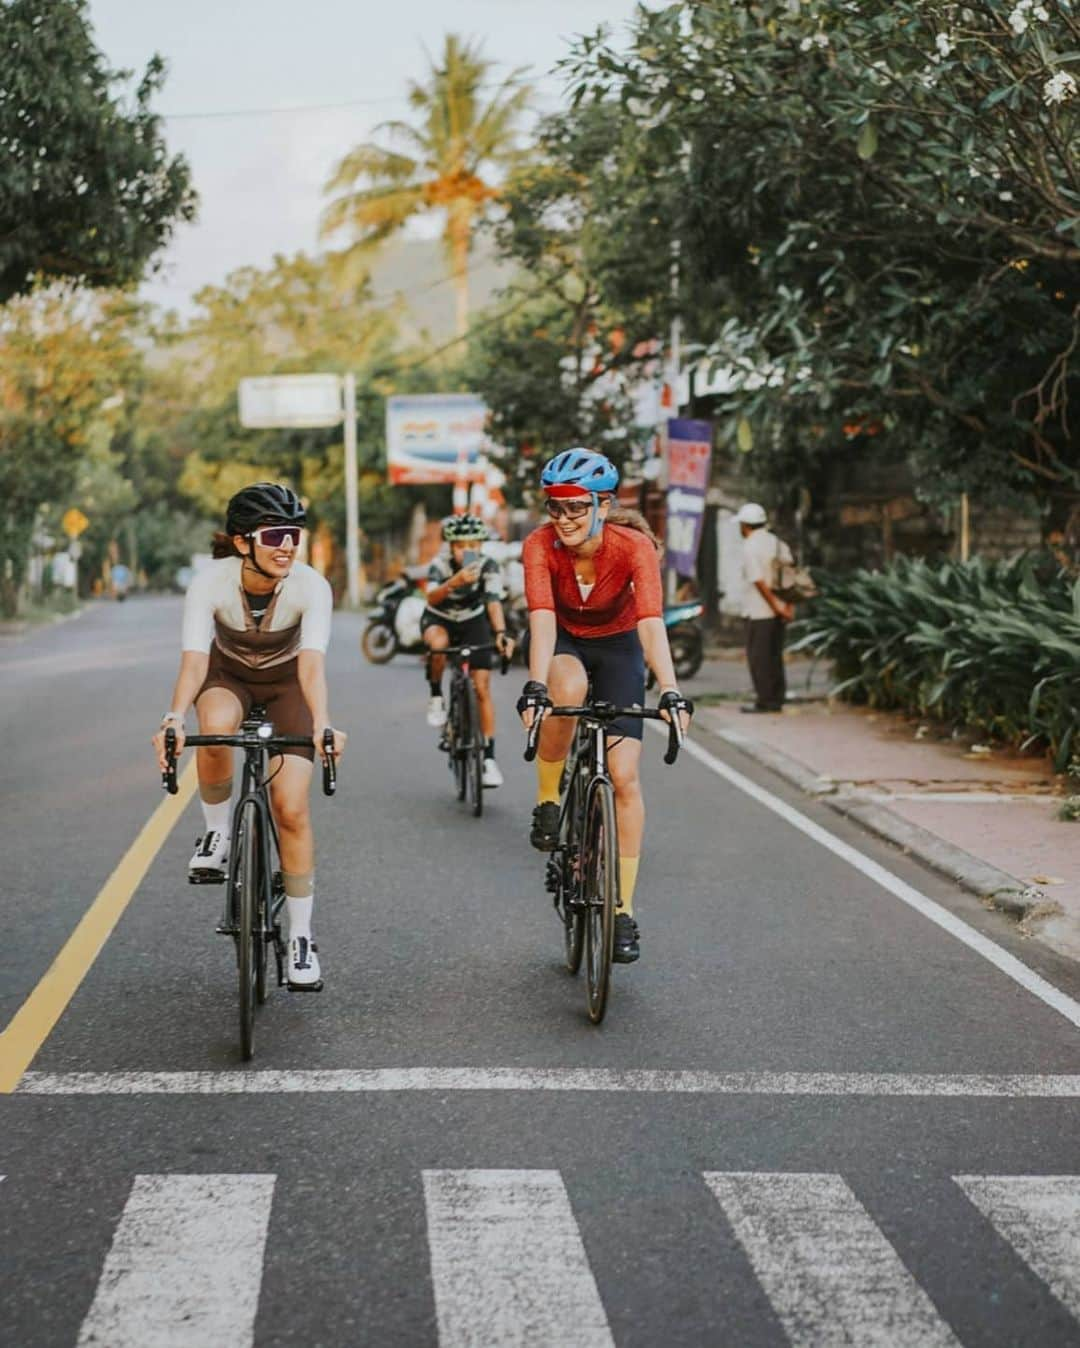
[(247, 88)]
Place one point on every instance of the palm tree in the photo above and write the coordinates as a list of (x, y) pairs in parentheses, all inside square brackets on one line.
[(441, 164)]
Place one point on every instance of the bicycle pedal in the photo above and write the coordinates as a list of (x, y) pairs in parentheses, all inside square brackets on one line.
[(223, 929), (206, 877), (552, 878)]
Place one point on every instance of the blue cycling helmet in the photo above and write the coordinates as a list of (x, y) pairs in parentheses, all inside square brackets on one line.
[(581, 468)]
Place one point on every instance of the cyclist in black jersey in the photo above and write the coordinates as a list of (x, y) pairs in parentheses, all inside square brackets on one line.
[(464, 608)]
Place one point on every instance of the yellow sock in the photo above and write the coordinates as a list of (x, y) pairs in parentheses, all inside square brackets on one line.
[(628, 869), (548, 777)]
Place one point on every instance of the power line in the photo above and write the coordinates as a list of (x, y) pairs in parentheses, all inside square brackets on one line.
[(286, 111)]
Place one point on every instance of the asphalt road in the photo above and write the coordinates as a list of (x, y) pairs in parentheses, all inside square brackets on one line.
[(811, 1116)]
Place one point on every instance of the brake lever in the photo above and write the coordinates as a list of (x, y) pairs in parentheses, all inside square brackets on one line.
[(329, 772), (168, 777)]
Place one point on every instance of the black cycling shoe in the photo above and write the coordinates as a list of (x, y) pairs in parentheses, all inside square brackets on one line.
[(626, 949), (545, 826)]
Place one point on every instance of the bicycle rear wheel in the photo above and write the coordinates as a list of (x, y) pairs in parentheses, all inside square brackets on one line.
[(474, 752), (246, 891), (600, 887)]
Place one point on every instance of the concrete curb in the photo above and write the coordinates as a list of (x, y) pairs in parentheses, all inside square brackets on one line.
[(994, 887), (17, 628)]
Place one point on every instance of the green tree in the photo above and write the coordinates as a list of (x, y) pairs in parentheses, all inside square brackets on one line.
[(447, 162), (878, 207), (88, 190), (558, 361), (65, 359)]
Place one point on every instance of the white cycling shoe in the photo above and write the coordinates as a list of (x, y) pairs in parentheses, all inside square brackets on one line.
[(302, 972), (492, 774), (436, 713), (211, 856)]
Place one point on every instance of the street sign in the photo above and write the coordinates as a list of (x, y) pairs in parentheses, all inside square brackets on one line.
[(290, 400), (74, 522)]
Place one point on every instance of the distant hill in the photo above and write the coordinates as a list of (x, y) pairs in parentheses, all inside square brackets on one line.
[(416, 272)]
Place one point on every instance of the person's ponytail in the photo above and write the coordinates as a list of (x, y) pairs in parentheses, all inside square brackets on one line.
[(634, 519), (223, 546)]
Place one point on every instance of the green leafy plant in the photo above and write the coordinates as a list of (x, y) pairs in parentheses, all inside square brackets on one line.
[(992, 646)]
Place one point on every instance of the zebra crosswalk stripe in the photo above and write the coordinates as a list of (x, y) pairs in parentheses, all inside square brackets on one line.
[(508, 1263), (1039, 1215), (829, 1272), (185, 1266)]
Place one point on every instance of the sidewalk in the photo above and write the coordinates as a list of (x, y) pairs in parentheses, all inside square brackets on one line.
[(986, 818)]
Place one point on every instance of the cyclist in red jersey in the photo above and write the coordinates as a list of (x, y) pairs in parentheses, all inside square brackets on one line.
[(595, 597)]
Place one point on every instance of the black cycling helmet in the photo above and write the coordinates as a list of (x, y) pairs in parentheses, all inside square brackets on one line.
[(263, 503)]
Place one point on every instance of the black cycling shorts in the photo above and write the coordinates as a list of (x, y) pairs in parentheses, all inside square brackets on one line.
[(616, 669), (472, 632)]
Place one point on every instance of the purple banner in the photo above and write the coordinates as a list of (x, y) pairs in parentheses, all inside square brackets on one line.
[(689, 451)]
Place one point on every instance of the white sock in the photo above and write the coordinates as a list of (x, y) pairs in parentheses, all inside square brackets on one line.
[(218, 816), (299, 912)]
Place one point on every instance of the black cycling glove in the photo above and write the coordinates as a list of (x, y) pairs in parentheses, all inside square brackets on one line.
[(674, 701), (534, 696)]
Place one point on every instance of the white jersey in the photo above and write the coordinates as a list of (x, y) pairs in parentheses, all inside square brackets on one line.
[(216, 610)]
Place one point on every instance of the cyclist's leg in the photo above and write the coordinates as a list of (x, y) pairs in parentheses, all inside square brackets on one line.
[(568, 685), (617, 665), (436, 635), (220, 707), (290, 798)]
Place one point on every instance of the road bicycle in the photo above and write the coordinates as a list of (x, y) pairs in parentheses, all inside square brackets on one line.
[(583, 868), (255, 891), (463, 739)]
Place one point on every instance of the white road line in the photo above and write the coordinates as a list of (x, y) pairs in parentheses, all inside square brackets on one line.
[(508, 1262), (185, 1266), (1008, 964), (830, 1274), (1039, 1215), (438, 1079)]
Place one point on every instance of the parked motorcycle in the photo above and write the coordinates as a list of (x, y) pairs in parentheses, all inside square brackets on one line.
[(686, 639), (393, 626)]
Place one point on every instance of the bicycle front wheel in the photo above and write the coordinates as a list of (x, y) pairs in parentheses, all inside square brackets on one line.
[(246, 890), (573, 911), (474, 752), (600, 888), (457, 725)]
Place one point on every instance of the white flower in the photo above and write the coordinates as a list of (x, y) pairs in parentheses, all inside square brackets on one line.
[(639, 107), (1018, 19), (708, 43), (1040, 12), (818, 40), (725, 82), (1058, 88), (1005, 196), (944, 44), (698, 95)]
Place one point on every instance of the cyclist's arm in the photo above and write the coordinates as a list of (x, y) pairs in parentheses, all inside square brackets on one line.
[(496, 617), (311, 675), (542, 635), (654, 643), (193, 667)]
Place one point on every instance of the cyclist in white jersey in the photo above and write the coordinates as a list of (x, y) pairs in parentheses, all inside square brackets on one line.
[(255, 630)]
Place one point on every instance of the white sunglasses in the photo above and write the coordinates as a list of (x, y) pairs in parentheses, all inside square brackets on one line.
[(277, 535)]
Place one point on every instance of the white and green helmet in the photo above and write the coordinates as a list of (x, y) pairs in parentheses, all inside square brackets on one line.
[(464, 529)]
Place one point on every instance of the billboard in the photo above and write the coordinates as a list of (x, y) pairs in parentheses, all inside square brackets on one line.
[(689, 450), (290, 400), (435, 438)]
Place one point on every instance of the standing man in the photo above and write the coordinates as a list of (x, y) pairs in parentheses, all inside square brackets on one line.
[(766, 613)]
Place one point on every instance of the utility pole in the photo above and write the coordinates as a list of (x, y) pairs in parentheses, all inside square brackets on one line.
[(352, 486)]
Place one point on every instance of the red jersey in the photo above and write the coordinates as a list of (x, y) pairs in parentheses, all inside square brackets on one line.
[(627, 589)]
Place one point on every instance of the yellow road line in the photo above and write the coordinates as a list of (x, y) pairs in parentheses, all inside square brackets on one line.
[(33, 1022)]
